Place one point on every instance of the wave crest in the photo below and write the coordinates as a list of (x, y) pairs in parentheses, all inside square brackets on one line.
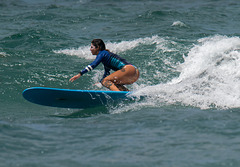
[(209, 77)]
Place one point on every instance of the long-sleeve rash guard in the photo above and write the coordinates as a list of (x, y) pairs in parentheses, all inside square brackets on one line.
[(110, 61)]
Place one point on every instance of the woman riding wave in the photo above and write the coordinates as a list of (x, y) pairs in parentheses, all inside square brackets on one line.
[(125, 73)]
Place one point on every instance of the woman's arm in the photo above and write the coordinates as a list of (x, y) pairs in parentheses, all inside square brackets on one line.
[(88, 68), (75, 77), (93, 65)]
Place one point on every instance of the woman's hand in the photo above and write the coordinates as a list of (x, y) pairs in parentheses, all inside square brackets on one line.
[(75, 77)]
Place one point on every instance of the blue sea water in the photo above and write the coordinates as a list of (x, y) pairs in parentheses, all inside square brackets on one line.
[(188, 54)]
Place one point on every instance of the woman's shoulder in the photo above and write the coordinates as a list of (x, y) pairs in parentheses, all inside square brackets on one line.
[(104, 52)]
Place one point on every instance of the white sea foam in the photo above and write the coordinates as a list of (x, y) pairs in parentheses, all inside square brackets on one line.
[(3, 54), (116, 47), (209, 78), (82, 52), (179, 24)]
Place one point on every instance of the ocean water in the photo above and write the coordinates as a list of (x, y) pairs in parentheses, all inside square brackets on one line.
[(188, 54)]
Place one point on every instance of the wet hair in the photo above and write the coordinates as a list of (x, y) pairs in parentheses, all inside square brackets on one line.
[(98, 43)]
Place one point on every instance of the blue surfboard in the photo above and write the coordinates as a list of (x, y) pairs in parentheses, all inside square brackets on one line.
[(69, 98)]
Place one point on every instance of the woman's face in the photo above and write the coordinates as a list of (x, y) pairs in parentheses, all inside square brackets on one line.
[(94, 50)]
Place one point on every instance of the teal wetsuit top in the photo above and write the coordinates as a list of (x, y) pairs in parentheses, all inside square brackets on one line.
[(110, 61)]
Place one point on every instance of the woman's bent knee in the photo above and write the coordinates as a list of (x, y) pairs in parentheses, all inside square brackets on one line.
[(106, 83)]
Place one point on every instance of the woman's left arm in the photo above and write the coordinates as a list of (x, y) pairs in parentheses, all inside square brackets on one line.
[(88, 68), (75, 77)]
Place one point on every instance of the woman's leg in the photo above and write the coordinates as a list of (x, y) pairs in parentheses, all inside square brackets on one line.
[(127, 75), (122, 88)]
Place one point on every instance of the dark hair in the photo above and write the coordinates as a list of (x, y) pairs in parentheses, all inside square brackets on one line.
[(98, 43)]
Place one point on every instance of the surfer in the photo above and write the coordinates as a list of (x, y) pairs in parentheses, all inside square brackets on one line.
[(125, 73)]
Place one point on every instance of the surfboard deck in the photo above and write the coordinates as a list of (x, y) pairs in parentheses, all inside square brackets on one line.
[(70, 98)]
